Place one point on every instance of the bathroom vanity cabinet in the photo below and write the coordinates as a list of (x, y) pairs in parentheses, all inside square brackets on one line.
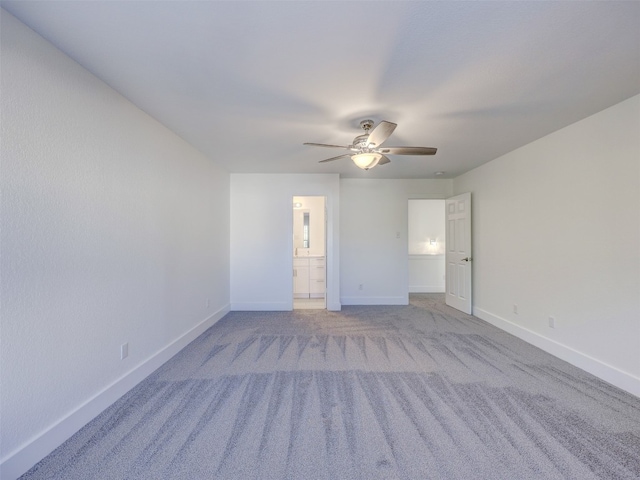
[(309, 277)]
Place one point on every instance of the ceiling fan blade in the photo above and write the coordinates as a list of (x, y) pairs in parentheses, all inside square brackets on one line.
[(409, 150), (384, 160), (379, 134), (335, 158), (325, 145)]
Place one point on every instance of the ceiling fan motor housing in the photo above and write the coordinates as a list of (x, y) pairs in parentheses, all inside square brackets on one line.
[(366, 125)]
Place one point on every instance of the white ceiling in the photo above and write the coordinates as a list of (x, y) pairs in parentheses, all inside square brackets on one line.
[(248, 82)]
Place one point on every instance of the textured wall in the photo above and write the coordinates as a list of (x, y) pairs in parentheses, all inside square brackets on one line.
[(557, 232), (373, 237), (114, 230), (262, 238)]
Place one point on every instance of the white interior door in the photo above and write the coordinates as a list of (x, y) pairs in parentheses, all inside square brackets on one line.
[(458, 256)]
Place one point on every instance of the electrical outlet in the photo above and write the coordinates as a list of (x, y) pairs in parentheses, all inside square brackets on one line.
[(397, 234), (124, 351), (552, 322), (361, 286), (515, 309)]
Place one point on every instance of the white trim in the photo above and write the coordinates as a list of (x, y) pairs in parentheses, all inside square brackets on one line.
[(374, 300), (608, 373), (31, 452), (334, 306)]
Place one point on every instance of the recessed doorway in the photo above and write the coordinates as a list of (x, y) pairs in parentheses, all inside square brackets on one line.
[(426, 247), (309, 253)]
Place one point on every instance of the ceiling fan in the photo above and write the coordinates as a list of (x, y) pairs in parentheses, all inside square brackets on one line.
[(367, 150)]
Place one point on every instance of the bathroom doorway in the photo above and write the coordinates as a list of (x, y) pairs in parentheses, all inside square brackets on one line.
[(309, 253), (426, 246)]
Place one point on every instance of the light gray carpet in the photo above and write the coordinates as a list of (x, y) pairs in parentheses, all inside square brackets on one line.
[(413, 392)]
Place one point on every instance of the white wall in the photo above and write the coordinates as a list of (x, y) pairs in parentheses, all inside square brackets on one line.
[(262, 241), (373, 237), (114, 230), (557, 232), (426, 246)]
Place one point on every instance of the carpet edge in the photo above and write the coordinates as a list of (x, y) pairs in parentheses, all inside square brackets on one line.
[(610, 374), (19, 461)]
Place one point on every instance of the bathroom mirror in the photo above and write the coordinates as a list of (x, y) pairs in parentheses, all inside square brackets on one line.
[(301, 229), (305, 230)]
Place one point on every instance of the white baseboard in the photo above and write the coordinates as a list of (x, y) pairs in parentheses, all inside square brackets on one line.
[(374, 300), (426, 289), (27, 455), (334, 306), (609, 374)]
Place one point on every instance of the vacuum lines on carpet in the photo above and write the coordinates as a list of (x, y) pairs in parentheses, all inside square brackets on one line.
[(404, 392)]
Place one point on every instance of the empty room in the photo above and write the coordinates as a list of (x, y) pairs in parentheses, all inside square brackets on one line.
[(319, 240)]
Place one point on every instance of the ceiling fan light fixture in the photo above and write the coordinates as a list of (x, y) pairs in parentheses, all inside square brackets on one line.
[(366, 161), (366, 149)]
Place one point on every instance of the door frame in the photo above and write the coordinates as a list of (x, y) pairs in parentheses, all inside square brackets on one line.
[(409, 255), (418, 196), (325, 213)]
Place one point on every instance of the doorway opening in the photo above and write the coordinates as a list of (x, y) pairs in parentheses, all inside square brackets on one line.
[(426, 237), (309, 253)]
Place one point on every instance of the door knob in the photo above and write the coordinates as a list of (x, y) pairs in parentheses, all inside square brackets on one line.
[(466, 259)]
